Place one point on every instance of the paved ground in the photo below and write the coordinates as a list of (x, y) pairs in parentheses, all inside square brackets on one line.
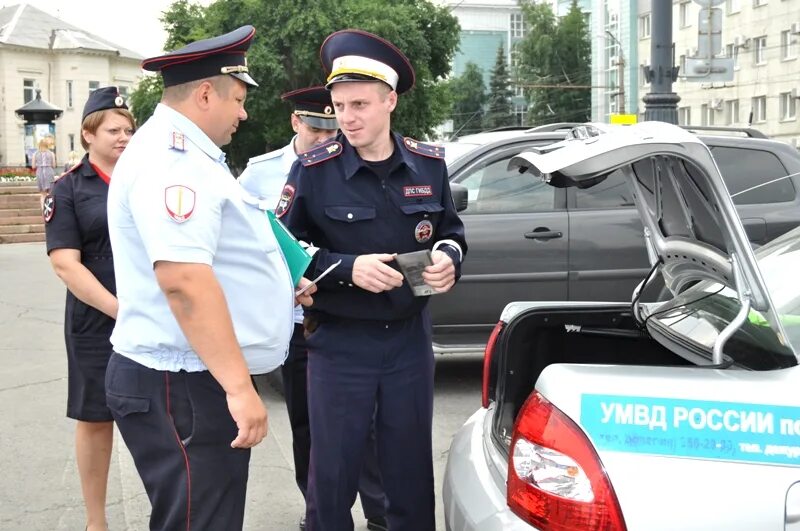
[(39, 489)]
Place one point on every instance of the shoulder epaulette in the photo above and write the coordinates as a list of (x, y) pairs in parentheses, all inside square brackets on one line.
[(177, 141), (266, 156), (68, 172), (426, 150), (321, 153)]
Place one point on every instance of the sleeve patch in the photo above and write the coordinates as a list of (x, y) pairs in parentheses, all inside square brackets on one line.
[(179, 201), (426, 150), (321, 153), (285, 201), (48, 208)]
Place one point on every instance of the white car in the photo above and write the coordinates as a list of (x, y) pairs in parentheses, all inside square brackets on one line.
[(678, 414)]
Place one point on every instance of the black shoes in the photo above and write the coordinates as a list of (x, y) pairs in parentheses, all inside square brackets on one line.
[(378, 523)]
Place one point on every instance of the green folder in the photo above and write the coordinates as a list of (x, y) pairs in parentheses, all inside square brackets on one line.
[(296, 257)]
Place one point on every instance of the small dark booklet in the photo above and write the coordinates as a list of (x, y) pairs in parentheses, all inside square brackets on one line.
[(412, 265)]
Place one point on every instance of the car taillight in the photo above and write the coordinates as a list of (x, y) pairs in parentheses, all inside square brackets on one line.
[(556, 481), (487, 362)]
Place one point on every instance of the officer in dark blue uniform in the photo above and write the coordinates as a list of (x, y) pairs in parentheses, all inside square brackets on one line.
[(314, 122), (361, 198), (80, 251)]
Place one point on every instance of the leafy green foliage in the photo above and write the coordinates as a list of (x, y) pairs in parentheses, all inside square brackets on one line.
[(500, 94), (554, 57), (285, 56), (469, 99)]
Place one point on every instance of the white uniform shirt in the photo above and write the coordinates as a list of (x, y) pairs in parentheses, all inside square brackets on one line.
[(264, 178), (172, 198)]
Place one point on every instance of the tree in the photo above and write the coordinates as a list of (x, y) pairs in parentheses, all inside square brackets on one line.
[(285, 56), (555, 56), (469, 98), (499, 113), (145, 97)]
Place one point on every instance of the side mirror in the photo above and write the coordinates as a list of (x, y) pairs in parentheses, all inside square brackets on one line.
[(460, 196)]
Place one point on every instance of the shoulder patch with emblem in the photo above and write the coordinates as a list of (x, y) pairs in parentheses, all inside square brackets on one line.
[(179, 201), (321, 153), (426, 150), (48, 208), (285, 201)]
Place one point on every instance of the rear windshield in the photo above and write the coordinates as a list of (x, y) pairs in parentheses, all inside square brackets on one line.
[(702, 312)]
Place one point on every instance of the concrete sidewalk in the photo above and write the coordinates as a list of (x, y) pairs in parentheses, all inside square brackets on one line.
[(39, 487)]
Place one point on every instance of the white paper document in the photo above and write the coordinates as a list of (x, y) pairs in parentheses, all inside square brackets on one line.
[(320, 277)]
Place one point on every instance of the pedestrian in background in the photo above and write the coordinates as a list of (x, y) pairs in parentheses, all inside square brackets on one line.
[(72, 159), (361, 198), (205, 296), (313, 122), (76, 228), (43, 163)]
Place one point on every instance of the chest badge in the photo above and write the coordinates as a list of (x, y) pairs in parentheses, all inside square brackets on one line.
[(48, 208), (179, 201), (420, 190), (177, 141), (423, 231), (285, 201)]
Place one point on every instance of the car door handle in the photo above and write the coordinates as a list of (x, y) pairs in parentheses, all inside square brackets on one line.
[(543, 234)]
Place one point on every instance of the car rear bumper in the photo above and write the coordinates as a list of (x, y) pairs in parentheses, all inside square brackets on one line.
[(474, 490)]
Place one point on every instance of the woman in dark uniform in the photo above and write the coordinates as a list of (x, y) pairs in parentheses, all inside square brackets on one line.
[(80, 253)]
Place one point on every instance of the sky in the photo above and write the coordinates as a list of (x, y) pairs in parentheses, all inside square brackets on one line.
[(133, 25)]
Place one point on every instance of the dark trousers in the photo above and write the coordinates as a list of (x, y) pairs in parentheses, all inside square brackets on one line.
[(357, 371), (295, 386), (179, 431)]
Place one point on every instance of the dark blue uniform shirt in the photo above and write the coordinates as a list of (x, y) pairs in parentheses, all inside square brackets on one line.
[(346, 209), (79, 221)]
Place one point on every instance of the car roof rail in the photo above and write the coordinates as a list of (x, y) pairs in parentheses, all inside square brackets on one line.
[(748, 131), (549, 128), (506, 128)]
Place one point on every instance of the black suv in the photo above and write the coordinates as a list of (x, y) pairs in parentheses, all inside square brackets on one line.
[(530, 241)]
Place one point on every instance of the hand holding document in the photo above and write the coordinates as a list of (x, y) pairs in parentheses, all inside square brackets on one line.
[(412, 265)]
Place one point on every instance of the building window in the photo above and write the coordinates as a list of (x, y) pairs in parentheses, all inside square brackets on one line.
[(759, 109), (706, 115), (733, 6), (787, 45), (685, 115), (682, 64), (123, 91), (788, 106), (93, 85), (72, 142), (760, 50), (644, 26), (519, 91), (520, 114), (69, 94), (759, 3), (28, 90), (517, 25), (684, 17), (645, 68), (732, 51), (731, 112)]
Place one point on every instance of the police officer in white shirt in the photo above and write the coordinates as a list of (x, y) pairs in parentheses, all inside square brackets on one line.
[(313, 122), (205, 295)]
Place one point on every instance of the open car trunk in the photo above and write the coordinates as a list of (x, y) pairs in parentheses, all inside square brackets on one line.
[(537, 338)]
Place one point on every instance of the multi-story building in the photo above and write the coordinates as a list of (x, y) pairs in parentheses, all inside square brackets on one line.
[(763, 38), (41, 52), (487, 25)]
